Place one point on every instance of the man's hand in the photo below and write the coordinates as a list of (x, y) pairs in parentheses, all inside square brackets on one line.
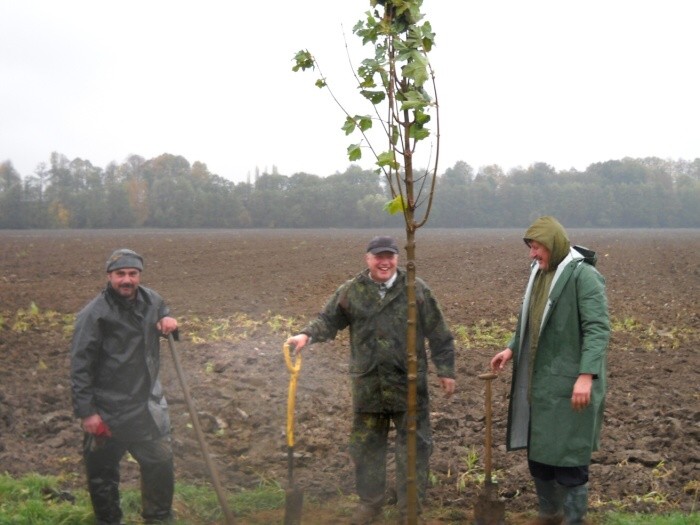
[(500, 360), (93, 424), (166, 325), (581, 396), (298, 342), (448, 385)]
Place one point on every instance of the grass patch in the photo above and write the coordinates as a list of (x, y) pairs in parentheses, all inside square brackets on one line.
[(33, 318), (484, 334), (650, 337), (235, 328), (36, 500), (41, 500), (199, 504), (674, 518)]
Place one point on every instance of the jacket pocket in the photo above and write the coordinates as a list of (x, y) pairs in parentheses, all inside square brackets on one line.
[(553, 386)]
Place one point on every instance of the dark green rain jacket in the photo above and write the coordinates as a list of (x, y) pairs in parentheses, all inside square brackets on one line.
[(378, 340), (573, 340), (115, 363)]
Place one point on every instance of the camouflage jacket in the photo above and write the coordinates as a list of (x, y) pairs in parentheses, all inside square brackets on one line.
[(378, 361)]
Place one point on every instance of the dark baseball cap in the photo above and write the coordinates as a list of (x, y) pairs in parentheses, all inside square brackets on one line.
[(382, 244), (124, 258)]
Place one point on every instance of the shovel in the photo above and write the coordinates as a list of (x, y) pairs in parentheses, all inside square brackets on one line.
[(228, 516), (489, 509), (294, 497)]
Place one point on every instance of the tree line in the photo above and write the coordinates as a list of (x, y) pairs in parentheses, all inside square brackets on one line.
[(169, 192)]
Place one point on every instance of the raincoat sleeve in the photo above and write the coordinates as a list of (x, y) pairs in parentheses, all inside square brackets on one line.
[(163, 310), (332, 319), (594, 319), (85, 349), (440, 339)]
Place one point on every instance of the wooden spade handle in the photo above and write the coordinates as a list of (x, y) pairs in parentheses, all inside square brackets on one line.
[(488, 377)]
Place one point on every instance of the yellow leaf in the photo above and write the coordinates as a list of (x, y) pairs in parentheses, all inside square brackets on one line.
[(395, 206)]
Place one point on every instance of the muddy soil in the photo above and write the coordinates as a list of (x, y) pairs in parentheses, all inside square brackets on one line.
[(238, 294)]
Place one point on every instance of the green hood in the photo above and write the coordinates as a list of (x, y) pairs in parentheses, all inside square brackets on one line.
[(550, 233)]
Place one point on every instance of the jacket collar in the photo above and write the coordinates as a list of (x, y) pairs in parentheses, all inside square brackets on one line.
[(561, 276)]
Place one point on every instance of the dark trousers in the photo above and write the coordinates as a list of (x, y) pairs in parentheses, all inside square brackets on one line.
[(155, 458), (565, 476), (368, 448)]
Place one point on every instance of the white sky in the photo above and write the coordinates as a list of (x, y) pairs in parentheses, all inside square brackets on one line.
[(558, 81)]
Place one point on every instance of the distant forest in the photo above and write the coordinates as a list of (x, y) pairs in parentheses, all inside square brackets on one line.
[(168, 192)]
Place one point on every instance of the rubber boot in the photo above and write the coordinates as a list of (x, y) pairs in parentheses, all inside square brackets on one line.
[(550, 497), (576, 504)]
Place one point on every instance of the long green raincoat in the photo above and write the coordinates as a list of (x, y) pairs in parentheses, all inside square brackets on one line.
[(573, 340)]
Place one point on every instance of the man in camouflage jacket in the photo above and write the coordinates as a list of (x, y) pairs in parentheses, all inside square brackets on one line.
[(374, 306)]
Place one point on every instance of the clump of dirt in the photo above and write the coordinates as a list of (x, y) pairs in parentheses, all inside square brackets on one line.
[(256, 287)]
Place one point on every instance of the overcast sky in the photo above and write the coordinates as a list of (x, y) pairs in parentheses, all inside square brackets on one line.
[(564, 82)]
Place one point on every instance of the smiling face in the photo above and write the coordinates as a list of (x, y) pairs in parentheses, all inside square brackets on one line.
[(382, 265), (539, 253), (125, 281)]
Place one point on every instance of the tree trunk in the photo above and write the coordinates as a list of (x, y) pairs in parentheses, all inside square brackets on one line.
[(411, 354), (411, 424)]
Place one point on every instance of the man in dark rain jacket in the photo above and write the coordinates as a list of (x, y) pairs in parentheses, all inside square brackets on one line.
[(374, 306), (115, 362), (559, 366)]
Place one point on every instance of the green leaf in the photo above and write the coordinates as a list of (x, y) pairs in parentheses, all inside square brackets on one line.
[(428, 36), (366, 72), (320, 83), (413, 100), (349, 125), (368, 82), (303, 60), (395, 135), (375, 97), (395, 205), (421, 117), (368, 32), (418, 132), (387, 159), (363, 122), (417, 69), (354, 152)]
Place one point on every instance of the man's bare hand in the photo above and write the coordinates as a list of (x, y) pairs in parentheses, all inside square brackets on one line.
[(298, 342), (500, 359), (167, 325), (581, 396), (448, 385)]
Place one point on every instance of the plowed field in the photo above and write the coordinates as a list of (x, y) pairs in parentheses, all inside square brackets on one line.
[(238, 294)]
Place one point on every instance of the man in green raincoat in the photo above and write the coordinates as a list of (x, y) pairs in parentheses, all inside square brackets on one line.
[(559, 365)]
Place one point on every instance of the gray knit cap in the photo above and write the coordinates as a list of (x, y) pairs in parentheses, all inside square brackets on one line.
[(124, 258)]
